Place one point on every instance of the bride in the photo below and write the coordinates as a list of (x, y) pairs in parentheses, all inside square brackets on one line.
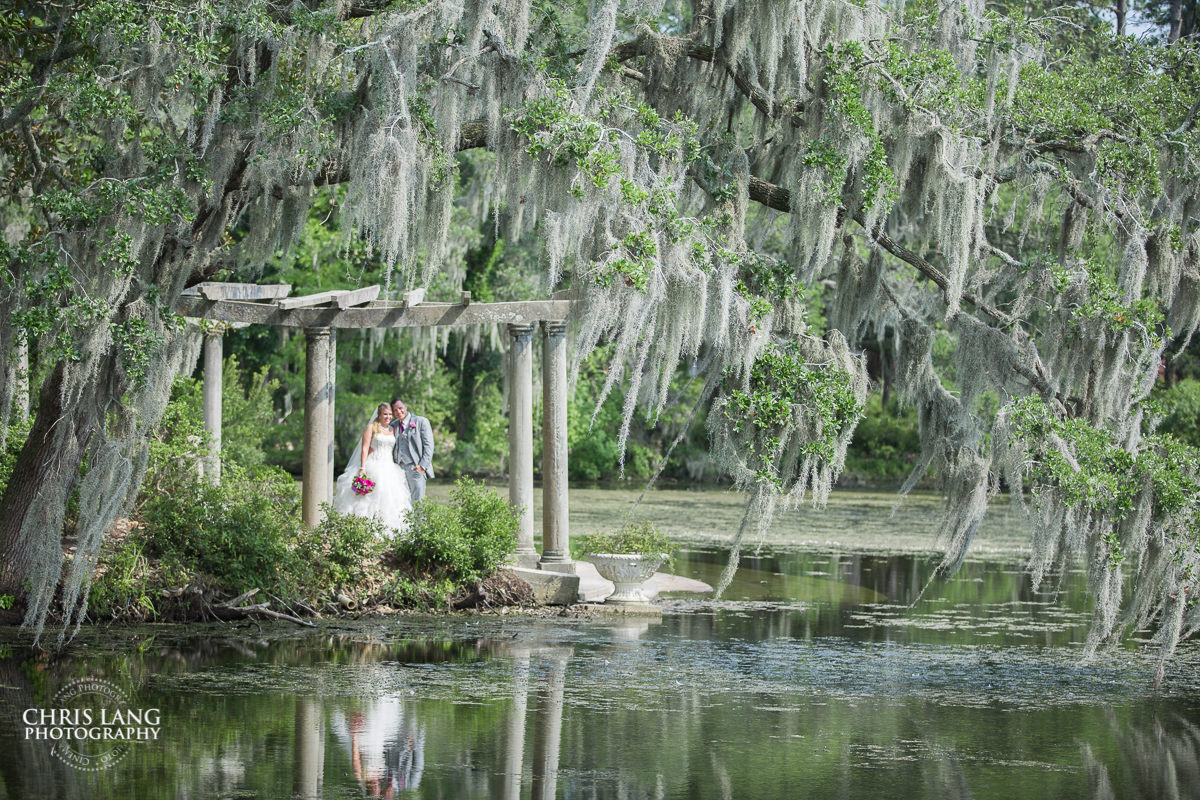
[(389, 502)]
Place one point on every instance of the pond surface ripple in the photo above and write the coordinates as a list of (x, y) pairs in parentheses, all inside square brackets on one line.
[(818, 675)]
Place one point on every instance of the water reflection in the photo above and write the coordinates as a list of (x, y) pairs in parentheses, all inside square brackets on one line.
[(739, 699), (27, 769), (547, 729), (1163, 754), (310, 748), (890, 598), (386, 746)]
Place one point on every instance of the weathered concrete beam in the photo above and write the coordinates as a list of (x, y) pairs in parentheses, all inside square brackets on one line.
[(414, 297), (213, 290), (358, 297), (388, 315), (318, 299)]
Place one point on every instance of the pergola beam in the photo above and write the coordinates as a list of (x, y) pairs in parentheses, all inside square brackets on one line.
[(213, 290), (318, 299), (358, 297), (388, 315)]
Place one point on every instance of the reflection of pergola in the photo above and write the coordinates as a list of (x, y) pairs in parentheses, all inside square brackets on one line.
[(319, 314)]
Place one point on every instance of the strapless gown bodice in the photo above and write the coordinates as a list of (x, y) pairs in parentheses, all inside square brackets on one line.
[(390, 500)]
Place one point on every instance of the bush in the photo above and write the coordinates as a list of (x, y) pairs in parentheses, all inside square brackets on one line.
[(177, 445), (338, 553), (245, 533), (408, 592), (592, 435), (18, 431), (240, 533), (483, 445), (636, 537), (1181, 403), (126, 586), (886, 443), (247, 413), (463, 540)]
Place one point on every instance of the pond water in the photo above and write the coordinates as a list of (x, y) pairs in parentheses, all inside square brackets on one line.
[(819, 674)]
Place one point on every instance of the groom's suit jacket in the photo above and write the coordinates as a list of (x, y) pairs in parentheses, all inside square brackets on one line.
[(417, 440)]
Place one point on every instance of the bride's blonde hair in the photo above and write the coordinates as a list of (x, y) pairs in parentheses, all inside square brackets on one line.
[(376, 425)]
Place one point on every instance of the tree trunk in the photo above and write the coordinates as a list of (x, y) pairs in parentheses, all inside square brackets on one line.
[(47, 467), (1176, 21), (1122, 9)]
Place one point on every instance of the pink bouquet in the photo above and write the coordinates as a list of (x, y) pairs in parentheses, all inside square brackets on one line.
[(362, 484)]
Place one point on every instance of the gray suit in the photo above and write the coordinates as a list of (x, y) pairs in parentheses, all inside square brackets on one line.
[(414, 447)]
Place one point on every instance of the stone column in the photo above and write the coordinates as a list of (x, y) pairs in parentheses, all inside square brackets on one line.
[(213, 362), (330, 468), (520, 439), (318, 431), (547, 732), (556, 534), (21, 390)]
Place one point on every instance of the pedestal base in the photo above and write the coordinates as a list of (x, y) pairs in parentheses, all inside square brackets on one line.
[(526, 560), (567, 567)]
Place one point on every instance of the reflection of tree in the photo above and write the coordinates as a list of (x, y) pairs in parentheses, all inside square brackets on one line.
[(1158, 761), (654, 712), (27, 768)]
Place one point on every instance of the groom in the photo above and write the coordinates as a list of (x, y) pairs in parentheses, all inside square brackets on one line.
[(414, 447)]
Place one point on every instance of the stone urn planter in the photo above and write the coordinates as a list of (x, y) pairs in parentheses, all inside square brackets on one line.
[(628, 572)]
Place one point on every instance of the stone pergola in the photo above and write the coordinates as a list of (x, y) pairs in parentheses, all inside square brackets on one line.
[(320, 314)]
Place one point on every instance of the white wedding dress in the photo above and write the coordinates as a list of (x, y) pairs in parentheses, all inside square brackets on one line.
[(389, 502)]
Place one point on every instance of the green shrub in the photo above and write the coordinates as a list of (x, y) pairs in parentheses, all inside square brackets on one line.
[(636, 537), (177, 445), (592, 434), (337, 553), (18, 431), (886, 443), (1181, 403), (179, 442), (463, 540), (483, 445), (240, 533), (126, 585), (409, 592)]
